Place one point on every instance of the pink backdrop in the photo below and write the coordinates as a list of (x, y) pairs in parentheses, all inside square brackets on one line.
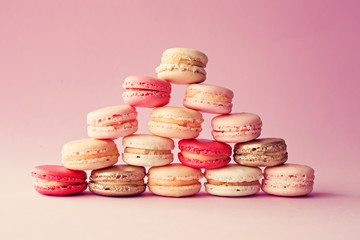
[(295, 63)]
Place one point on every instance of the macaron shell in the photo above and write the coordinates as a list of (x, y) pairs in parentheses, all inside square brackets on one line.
[(208, 106), (110, 132), (181, 74), (205, 147), (113, 114), (210, 164), (116, 190), (231, 191), (61, 191), (147, 99), (118, 173), (176, 191), (234, 173), (145, 141), (59, 174), (288, 180), (147, 160), (173, 130), (147, 83), (176, 55), (175, 172)]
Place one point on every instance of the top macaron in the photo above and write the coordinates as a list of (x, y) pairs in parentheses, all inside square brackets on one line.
[(142, 91), (182, 66)]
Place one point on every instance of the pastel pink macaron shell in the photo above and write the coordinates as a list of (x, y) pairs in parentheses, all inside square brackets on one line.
[(208, 98), (288, 180), (104, 123), (76, 179), (142, 91), (236, 127), (207, 148)]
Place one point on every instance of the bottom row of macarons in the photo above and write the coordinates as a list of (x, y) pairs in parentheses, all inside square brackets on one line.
[(176, 180)]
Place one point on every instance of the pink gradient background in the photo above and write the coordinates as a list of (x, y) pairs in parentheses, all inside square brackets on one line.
[(295, 63)]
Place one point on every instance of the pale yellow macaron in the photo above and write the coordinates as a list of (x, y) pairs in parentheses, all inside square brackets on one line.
[(182, 66), (147, 150), (175, 122), (89, 154), (174, 180)]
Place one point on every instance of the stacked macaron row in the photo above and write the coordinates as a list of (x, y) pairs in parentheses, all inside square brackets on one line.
[(99, 153)]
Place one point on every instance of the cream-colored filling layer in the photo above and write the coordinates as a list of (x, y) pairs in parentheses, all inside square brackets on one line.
[(182, 123), (175, 182), (215, 182), (192, 93), (116, 125), (178, 59), (200, 157), (110, 153), (146, 151), (45, 183)]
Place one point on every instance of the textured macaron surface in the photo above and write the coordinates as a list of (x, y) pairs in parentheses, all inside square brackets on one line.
[(111, 115), (234, 173), (144, 141), (118, 173), (147, 83), (58, 173), (205, 147), (237, 122), (89, 147), (175, 172), (185, 56), (209, 92)]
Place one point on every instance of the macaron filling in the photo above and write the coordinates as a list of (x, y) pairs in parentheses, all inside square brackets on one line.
[(220, 183), (193, 93), (202, 158), (193, 123), (142, 151), (180, 67)]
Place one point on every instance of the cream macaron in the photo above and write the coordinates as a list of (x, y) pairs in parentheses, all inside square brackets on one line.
[(147, 150), (182, 66), (233, 181), (174, 180), (89, 154), (175, 122)]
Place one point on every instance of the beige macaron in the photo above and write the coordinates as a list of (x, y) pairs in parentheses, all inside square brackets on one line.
[(147, 150), (182, 66), (174, 180), (89, 154), (175, 122), (233, 180)]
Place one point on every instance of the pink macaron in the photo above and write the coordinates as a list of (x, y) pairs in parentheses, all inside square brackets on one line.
[(112, 122), (203, 153), (288, 180), (208, 98), (58, 180), (236, 127), (142, 91)]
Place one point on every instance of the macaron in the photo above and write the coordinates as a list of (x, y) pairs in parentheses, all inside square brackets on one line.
[(58, 180), (118, 180), (175, 122), (236, 127), (203, 153), (174, 180), (89, 154), (142, 91), (288, 180), (112, 122), (147, 150), (261, 152), (182, 66), (233, 181), (208, 98)]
